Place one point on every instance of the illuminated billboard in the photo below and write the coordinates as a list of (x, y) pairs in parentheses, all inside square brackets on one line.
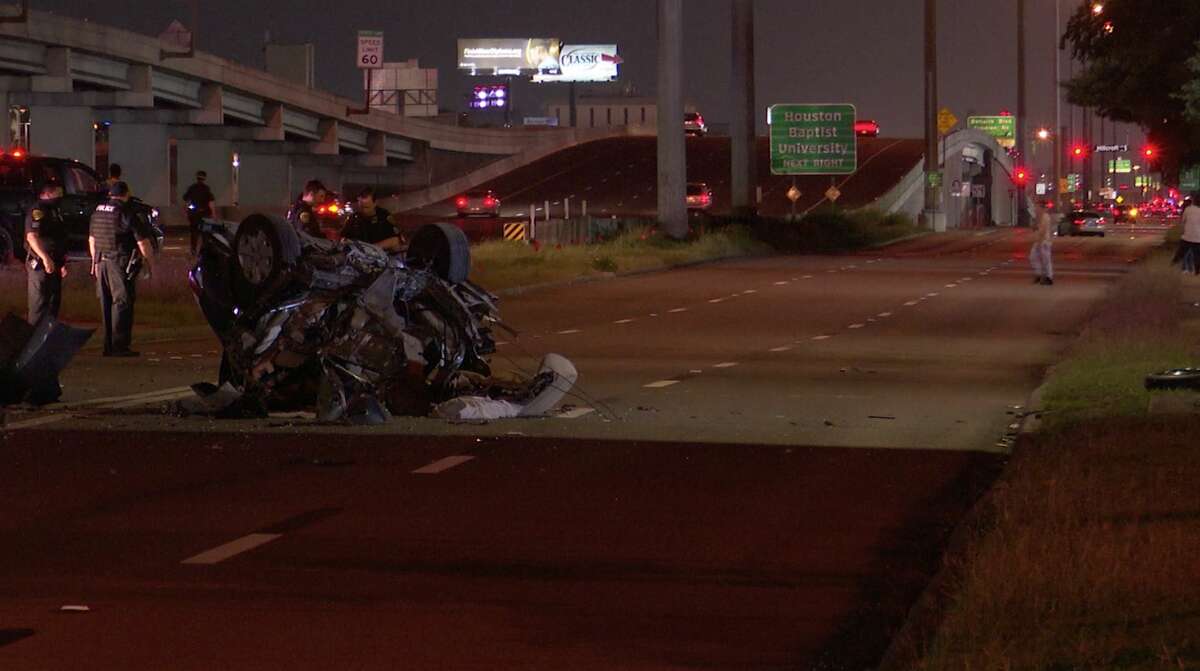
[(584, 63), (488, 96), (509, 56)]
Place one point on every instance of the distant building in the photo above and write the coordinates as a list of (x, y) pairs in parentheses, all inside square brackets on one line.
[(404, 88), (598, 112)]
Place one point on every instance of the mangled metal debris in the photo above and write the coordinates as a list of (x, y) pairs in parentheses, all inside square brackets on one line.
[(357, 334), (31, 358)]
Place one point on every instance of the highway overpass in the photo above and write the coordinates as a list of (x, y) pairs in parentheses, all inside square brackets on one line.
[(165, 117)]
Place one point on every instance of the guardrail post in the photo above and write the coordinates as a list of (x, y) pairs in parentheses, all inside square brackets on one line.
[(583, 206), (566, 208), (547, 211)]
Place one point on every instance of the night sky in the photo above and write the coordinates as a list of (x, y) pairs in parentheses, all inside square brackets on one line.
[(866, 52)]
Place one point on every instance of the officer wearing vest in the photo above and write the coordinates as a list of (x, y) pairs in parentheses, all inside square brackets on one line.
[(302, 215), (371, 223), (46, 244), (113, 235)]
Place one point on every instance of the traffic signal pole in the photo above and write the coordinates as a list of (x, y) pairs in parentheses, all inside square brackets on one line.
[(672, 157), (1022, 213), (743, 153), (931, 112)]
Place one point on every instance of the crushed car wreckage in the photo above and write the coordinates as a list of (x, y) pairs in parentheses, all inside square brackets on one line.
[(359, 334)]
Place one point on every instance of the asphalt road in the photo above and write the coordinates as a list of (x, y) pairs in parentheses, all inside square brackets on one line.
[(765, 463)]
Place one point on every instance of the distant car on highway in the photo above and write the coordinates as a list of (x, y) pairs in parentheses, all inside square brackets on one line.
[(693, 124), (484, 203), (1125, 214), (866, 128), (699, 196), (1082, 222)]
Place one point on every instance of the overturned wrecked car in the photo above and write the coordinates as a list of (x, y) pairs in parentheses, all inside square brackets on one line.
[(360, 335)]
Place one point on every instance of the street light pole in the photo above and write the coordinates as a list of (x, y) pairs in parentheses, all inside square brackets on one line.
[(672, 157), (1059, 145), (931, 112), (1022, 215), (743, 152)]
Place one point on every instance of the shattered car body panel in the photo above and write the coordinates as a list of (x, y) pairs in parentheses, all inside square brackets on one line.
[(344, 326)]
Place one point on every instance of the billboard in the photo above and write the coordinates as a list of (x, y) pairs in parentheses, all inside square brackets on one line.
[(509, 56), (584, 63)]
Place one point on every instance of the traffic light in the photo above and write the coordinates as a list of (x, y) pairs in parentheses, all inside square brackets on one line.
[(1078, 151), (1020, 176), (1150, 152)]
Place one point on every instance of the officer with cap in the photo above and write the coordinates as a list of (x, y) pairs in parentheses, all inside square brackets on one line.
[(114, 233), (302, 215), (371, 223), (199, 201), (46, 244)]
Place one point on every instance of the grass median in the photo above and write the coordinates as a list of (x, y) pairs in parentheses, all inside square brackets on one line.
[(1083, 556)]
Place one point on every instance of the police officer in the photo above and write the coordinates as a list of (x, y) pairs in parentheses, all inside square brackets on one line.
[(46, 244), (199, 202), (302, 215), (371, 223), (115, 231)]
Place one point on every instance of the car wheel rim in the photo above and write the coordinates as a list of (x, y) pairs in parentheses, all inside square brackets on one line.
[(256, 258)]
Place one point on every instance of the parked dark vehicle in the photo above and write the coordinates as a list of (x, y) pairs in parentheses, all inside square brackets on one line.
[(21, 179)]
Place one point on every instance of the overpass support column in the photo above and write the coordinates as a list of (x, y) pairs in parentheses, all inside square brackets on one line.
[(58, 73), (376, 156), (212, 110), (672, 152), (143, 150), (65, 132), (744, 147), (328, 144)]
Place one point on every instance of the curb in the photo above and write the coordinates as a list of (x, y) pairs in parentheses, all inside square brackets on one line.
[(600, 277)]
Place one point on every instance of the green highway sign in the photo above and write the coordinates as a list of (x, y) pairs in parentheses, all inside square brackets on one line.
[(1189, 179), (1003, 128), (1121, 166), (813, 139)]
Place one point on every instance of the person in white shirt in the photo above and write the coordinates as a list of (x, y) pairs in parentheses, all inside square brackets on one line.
[(1190, 244), (1043, 242)]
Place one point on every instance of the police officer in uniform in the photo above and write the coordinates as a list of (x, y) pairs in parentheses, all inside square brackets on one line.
[(46, 244), (302, 215), (115, 231), (371, 223), (199, 201)]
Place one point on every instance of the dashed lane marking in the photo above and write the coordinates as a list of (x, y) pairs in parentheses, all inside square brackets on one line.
[(884, 315), (857, 326), (780, 284), (822, 337), (232, 548), (569, 332), (625, 321), (442, 465), (727, 364), (575, 413), (911, 303), (808, 277), (661, 384), (677, 310), (785, 348), (951, 286), (717, 300)]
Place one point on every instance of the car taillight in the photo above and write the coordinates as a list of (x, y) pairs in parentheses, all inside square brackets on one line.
[(461, 202), (1080, 222), (333, 209), (17, 153), (489, 202), (704, 198)]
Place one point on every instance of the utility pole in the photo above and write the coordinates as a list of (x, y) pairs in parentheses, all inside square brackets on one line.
[(672, 152), (1059, 140), (931, 112), (1022, 214), (744, 153)]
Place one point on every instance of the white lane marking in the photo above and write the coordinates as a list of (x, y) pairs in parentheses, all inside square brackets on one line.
[(884, 315), (727, 364), (661, 384), (781, 349), (822, 337), (575, 413), (966, 279), (932, 295), (750, 291), (781, 284), (857, 326), (147, 401), (625, 321), (653, 314), (911, 303), (118, 399), (232, 548), (441, 465), (808, 277), (831, 271), (677, 310), (36, 421), (717, 300), (569, 332)]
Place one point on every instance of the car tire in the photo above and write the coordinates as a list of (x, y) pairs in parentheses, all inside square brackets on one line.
[(265, 250), (443, 249), (1178, 378)]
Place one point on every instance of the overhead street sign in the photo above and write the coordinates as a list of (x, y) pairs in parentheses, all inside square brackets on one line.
[(1003, 128), (1121, 166), (813, 139), (370, 49), (946, 120)]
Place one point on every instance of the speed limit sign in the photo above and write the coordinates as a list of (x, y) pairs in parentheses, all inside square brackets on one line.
[(370, 49)]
